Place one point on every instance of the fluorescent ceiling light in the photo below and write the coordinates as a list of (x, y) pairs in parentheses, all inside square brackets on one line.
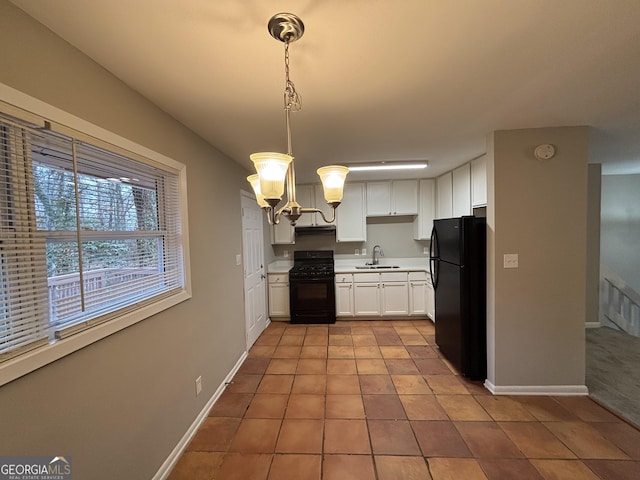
[(367, 167)]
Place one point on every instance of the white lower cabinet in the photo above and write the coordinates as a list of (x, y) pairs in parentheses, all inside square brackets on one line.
[(431, 300), (278, 294), (418, 293), (380, 294), (395, 298), (366, 294), (344, 295), (386, 294)]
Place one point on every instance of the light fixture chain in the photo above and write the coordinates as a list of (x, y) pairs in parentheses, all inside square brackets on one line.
[(292, 100), (287, 28)]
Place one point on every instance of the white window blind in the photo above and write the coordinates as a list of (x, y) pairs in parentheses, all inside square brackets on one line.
[(85, 235)]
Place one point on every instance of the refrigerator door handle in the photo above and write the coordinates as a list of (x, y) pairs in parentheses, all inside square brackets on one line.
[(435, 264), (433, 259)]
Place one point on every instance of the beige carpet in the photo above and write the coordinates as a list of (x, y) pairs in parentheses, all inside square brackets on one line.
[(613, 371)]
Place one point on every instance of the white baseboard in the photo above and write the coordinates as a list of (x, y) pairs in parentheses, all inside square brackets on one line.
[(553, 390), (174, 456), (592, 325)]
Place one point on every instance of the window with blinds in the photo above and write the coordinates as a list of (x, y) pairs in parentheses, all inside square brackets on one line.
[(86, 235)]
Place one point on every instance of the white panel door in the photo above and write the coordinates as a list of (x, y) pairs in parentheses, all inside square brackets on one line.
[(255, 301)]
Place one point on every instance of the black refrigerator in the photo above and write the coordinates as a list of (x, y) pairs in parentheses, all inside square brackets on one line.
[(458, 273)]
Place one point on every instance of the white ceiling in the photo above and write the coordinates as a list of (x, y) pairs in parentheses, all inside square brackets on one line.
[(380, 80)]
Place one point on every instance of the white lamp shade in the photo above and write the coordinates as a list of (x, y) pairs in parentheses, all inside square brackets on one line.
[(254, 180), (333, 177), (272, 170)]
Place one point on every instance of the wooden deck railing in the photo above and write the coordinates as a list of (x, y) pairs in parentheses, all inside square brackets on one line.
[(99, 286), (620, 303)]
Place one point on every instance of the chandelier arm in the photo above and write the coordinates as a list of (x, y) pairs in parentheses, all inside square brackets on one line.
[(333, 213), (333, 206), (269, 212)]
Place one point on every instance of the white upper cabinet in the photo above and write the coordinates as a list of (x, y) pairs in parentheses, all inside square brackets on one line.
[(351, 223), (444, 192), (404, 198), (305, 197), (479, 182), (378, 198), (461, 178), (282, 233), (399, 197), (423, 223), (312, 196)]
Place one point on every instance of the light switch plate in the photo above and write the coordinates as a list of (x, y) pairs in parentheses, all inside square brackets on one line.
[(510, 260), (238, 259)]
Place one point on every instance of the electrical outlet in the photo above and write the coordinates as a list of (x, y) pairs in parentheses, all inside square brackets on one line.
[(357, 252), (363, 251), (285, 253), (510, 260), (425, 251), (238, 260), (198, 385)]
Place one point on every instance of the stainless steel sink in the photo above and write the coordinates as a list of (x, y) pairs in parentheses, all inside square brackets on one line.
[(376, 267)]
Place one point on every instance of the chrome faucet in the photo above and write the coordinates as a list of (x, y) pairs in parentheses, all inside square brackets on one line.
[(376, 260)]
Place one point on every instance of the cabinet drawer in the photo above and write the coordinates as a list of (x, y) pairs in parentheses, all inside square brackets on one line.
[(366, 277), (417, 276), (278, 278), (344, 277), (393, 276)]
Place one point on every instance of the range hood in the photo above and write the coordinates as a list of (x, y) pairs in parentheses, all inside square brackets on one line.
[(317, 230)]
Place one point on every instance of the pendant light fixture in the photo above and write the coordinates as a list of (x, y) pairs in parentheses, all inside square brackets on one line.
[(276, 170)]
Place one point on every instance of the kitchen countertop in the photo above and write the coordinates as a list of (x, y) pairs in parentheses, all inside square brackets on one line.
[(280, 266), (349, 265), (404, 265)]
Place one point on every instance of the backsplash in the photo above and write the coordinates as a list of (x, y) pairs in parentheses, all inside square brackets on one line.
[(394, 235)]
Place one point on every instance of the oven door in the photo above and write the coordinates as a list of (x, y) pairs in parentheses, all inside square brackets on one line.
[(312, 300)]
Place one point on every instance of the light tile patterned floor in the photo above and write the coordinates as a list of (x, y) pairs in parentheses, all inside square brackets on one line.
[(375, 401)]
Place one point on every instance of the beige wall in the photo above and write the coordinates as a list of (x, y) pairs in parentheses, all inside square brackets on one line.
[(537, 209), (119, 406)]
